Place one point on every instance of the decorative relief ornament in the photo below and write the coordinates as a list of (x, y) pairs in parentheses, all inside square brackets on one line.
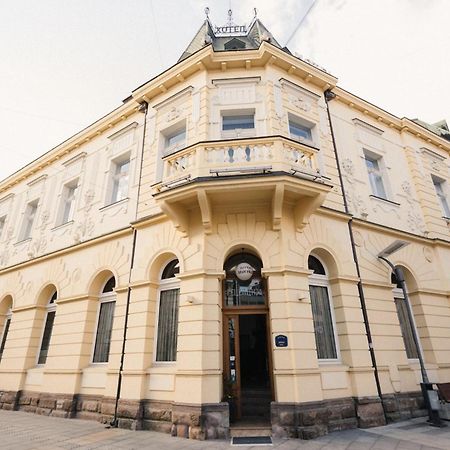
[(415, 221), (174, 113), (300, 103), (358, 238), (428, 254), (348, 167), (85, 228)]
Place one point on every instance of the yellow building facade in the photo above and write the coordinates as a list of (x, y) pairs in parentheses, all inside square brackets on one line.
[(206, 255)]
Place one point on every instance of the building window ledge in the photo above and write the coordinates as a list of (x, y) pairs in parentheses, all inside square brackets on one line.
[(23, 241), (111, 205), (375, 197), (62, 225)]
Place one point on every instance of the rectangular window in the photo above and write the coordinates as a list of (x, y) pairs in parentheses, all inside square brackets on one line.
[(104, 329), (166, 349), (4, 337), (120, 179), (237, 124), (28, 220), (323, 323), (175, 140), (299, 132), (68, 202), (405, 325), (375, 176), (46, 338), (244, 122), (440, 186)]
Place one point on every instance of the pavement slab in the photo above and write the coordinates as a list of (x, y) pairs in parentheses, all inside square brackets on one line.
[(25, 431)]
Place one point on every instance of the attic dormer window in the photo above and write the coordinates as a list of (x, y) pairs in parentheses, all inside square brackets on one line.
[(234, 44)]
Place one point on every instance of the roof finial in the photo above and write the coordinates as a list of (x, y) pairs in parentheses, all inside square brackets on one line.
[(255, 11), (230, 17), (207, 12)]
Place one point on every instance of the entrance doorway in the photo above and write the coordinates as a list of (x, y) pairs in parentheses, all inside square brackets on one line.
[(247, 362)]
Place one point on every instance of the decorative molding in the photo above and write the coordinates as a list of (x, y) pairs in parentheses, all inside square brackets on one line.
[(74, 159), (37, 180), (299, 89), (118, 133), (367, 126)]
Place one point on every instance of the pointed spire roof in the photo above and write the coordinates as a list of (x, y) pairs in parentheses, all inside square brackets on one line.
[(230, 36)]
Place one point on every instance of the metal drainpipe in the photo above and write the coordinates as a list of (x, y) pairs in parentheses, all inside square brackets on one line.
[(115, 422), (329, 95)]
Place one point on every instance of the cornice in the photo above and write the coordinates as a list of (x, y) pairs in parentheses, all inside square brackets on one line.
[(72, 144), (402, 125), (208, 59)]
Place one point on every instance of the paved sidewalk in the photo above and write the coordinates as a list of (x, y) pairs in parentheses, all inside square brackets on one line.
[(25, 431)]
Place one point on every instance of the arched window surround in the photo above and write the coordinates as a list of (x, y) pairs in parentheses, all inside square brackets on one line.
[(401, 303), (47, 329), (5, 330), (331, 354), (167, 311), (104, 322)]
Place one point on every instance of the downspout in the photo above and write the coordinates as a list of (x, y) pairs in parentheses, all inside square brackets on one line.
[(329, 95), (115, 422)]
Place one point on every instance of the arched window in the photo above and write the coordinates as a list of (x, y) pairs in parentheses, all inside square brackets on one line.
[(105, 321), (48, 328), (166, 345), (323, 317), (401, 304), (244, 285), (5, 331)]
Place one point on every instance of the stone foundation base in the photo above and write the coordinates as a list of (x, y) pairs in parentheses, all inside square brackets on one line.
[(212, 421), (312, 419), (404, 406), (207, 421)]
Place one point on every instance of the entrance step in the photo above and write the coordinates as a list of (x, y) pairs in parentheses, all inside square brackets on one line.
[(240, 431)]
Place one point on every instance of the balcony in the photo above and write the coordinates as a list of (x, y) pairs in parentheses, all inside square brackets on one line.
[(273, 170)]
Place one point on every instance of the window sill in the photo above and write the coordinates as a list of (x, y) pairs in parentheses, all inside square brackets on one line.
[(111, 205), (331, 362), (375, 197), (23, 241), (62, 225)]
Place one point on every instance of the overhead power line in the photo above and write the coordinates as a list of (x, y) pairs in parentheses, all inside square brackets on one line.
[(300, 23)]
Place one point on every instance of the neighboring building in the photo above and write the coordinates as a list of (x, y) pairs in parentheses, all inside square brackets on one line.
[(204, 221)]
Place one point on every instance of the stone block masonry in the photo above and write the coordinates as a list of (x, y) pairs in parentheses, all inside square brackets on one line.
[(212, 421)]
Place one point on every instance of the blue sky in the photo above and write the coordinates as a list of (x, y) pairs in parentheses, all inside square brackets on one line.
[(65, 63)]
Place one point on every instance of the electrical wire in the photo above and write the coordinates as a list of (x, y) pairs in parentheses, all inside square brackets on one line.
[(300, 23)]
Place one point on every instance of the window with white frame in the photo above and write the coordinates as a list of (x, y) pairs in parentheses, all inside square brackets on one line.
[(401, 304), (441, 187), (105, 322), (28, 220), (120, 174), (2, 225), (299, 129), (68, 202), (322, 310), (5, 332), (175, 139), (166, 346), (48, 328), (375, 172), (238, 123)]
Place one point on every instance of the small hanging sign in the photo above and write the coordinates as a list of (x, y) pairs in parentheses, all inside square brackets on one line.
[(281, 340)]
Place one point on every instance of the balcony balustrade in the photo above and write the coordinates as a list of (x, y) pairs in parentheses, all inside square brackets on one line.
[(275, 155), (272, 170)]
